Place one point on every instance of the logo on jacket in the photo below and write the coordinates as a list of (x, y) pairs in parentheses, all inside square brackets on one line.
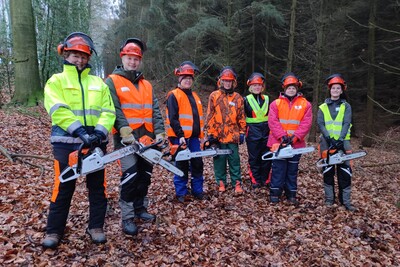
[(94, 88), (125, 89), (297, 107)]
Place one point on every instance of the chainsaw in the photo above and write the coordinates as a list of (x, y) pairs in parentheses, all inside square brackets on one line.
[(285, 151), (181, 152), (85, 161), (335, 157)]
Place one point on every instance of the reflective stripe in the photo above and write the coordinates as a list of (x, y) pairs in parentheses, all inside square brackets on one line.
[(289, 121), (136, 106), (136, 120), (57, 106), (185, 116)]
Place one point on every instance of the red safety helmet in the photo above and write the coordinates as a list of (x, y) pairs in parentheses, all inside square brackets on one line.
[(256, 78), (291, 79), (336, 79), (133, 47), (77, 41), (187, 68), (227, 73)]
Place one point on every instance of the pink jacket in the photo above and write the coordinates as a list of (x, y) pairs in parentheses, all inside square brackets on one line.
[(276, 130)]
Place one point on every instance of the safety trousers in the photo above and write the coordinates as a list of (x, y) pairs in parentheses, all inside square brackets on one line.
[(344, 174), (284, 177), (134, 186), (63, 192), (258, 169), (194, 165)]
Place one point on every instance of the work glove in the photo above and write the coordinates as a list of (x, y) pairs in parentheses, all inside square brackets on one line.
[(160, 137), (126, 134), (328, 140), (182, 141), (100, 135), (286, 139), (338, 144), (83, 135), (241, 139)]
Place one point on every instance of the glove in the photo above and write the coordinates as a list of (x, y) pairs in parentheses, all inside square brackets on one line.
[(160, 137), (126, 134), (286, 139), (241, 139), (339, 144), (100, 135), (83, 135), (182, 141), (328, 140)]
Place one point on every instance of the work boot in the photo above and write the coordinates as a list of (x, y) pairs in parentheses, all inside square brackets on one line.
[(294, 201), (199, 196), (51, 241), (274, 199), (129, 227), (145, 216), (221, 186), (238, 188), (346, 192), (97, 235), (329, 195)]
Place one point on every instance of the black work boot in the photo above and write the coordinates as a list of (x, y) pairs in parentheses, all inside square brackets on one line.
[(51, 241), (346, 195), (294, 201), (329, 195), (97, 235), (129, 227), (145, 216)]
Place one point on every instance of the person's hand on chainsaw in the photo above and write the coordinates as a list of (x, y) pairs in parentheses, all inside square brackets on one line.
[(286, 140), (126, 135), (100, 135), (182, 141), (88, 140), (160, 137), (293, 139), (329, 140), (338, 144)]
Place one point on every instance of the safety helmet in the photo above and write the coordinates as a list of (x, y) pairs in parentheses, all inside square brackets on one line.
[(133, 47), (256, 78), (336, 79), (187, 68), (291, 79), (227, 73), (77, 41)]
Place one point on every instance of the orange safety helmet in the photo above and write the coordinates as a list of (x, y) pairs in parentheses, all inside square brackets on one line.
[(336, 79), (77, 41), (291, 79), (187, 68), (227, 73), (256, 78), (133, 47)]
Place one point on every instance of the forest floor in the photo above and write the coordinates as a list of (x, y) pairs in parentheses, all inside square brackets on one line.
[(222, 230)]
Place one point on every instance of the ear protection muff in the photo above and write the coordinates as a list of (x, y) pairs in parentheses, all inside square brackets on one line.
[(88, 40)]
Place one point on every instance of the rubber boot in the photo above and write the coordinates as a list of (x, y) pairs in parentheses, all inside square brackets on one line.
[(346, 194), (329, 195)]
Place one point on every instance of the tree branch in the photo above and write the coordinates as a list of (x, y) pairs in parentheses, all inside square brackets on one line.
[(382, 107)]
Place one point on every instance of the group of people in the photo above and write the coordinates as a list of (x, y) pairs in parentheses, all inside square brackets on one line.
[(85, 110)]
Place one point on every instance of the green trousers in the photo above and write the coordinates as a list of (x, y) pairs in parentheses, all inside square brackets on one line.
[(233, 162)]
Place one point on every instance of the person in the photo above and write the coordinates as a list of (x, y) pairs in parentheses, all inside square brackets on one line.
[(82, 113), (290, 119), (226, 124), (138, 114), (184, 123), (334, 122), (256, 106)]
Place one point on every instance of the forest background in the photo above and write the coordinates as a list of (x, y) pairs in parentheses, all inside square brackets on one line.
[(313, 38)]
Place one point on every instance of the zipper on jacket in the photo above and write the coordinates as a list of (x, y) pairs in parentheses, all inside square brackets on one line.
[(83, 97)]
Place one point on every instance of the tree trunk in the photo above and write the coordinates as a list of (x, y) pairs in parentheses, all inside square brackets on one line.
[(28, 90), (367, 140), (319, 24), (289, 65)]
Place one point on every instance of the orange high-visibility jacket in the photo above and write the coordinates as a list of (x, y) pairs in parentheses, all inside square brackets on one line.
[(185, 114), (290, 117), (136, 103)]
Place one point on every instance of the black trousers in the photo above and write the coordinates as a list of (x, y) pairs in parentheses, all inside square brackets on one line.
[(258, 169), (63, 192)]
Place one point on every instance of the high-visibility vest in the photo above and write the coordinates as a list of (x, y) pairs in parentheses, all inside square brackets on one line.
[(136, 103), (291, 116), (334, 126), (260, 112), (185, 114)]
